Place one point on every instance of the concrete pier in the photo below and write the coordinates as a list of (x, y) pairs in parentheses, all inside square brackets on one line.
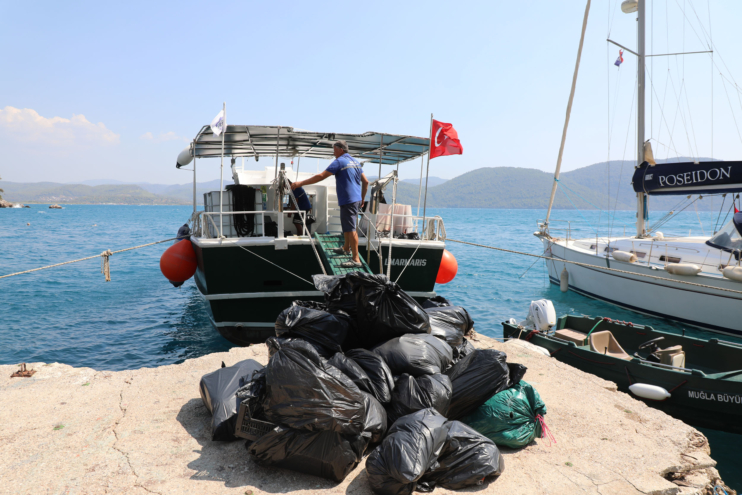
[(72, 430)]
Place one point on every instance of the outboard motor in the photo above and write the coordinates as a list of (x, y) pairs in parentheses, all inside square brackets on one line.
[(541, 315)]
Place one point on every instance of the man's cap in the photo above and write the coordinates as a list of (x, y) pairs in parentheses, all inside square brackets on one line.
[(341, 144)]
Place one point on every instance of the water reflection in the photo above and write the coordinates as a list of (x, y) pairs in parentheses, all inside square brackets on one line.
[(190, 333)]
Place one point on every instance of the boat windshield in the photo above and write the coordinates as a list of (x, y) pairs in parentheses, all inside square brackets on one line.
[(728, 238)]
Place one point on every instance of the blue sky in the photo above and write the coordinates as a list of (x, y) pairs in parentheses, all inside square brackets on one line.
[(104, 90)]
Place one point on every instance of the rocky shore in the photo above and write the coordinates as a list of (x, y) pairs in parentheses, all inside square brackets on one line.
[(8, 204), (79, 431)]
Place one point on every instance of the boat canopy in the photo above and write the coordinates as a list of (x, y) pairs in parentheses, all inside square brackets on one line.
[(257, 140), (688, 178)]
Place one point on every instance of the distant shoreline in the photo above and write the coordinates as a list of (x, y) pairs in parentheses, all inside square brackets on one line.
[(200, 205)]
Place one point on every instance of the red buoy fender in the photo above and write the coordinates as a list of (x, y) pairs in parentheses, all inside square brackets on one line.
[(178, 262), (448, 268)]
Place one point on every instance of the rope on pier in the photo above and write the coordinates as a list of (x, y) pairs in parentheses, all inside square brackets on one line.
[(605, 268), (105, 267)]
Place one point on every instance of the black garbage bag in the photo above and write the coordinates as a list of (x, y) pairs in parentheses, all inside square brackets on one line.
[(436, 302), (296, 343), (416, 354), (375, 422), (353, 371), (253, 393), (450, 323), (218, 391), (467, 458), (310, 304), (339, 293), (322, 453), (411, 448), (303, 392), (462, 350), (340, 300), (479, 376), (385, 311), (413, 394), (319, 328), (382, 379)]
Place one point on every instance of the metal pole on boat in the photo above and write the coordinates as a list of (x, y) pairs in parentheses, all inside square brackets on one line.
[(566, 120), (221, 174), (420, 190), (641, 198), (427, 172), (391, 229), (194, 176), (278, 140), (381, 159)]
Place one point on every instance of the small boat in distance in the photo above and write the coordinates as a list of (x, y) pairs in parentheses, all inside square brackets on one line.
[(696, 380), (55, 207)]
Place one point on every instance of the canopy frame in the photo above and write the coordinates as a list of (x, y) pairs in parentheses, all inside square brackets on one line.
[(256, 141)]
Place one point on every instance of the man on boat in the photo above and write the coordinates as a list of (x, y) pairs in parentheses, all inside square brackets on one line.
[(351, 185), (302, 204)]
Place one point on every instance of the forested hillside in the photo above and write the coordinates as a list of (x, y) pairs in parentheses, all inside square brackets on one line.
[(490, 187)]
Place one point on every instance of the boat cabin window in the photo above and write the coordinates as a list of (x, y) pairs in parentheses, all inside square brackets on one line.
[(639, 254), (611, 250), (669, 259), (728, 238)]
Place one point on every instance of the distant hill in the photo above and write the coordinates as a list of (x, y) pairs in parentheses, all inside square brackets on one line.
[(491, 187), (149, 194), (432, 181)]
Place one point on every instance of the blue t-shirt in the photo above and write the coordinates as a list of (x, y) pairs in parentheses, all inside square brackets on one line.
[(302, 199), (347, 172)]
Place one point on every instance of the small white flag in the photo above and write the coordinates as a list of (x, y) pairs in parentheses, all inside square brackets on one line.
[(217, 125)]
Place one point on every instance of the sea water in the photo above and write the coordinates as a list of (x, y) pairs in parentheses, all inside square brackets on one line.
[(70, 315)]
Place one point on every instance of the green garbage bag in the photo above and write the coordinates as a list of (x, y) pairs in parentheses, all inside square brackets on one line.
[(508, 418)]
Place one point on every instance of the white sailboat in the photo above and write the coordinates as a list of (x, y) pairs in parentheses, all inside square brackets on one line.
[(692, 280)]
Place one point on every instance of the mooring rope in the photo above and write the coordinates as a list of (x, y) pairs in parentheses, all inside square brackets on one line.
[(586, 265), (105, 269)]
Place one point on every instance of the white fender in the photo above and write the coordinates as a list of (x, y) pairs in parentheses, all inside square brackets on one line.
[(733, 273), (542, 350), (184, 157), (564, 280), (682, 269), (651, 392), (624, 256)]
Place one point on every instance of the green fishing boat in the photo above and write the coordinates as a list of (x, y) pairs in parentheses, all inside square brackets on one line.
[(696, 380)]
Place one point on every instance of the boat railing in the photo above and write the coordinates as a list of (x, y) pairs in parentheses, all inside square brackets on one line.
[(210, 230), (671, 367), (567, 230), (433, 228)]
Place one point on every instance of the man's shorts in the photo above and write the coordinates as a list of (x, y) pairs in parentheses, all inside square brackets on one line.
[(349, 215)]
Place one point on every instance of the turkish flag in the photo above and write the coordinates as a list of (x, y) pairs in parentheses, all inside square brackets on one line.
[(444, 140)]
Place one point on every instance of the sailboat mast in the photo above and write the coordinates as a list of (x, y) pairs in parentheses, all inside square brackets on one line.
[(566, 119), (641, 197)]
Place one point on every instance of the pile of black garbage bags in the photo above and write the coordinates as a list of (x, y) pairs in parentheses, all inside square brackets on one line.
[(368, 370)]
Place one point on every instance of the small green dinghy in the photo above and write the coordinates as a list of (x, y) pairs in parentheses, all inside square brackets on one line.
[(698, 381)]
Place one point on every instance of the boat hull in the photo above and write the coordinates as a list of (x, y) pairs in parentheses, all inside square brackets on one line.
[(708, 308), (698, 398), (247, 290)]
